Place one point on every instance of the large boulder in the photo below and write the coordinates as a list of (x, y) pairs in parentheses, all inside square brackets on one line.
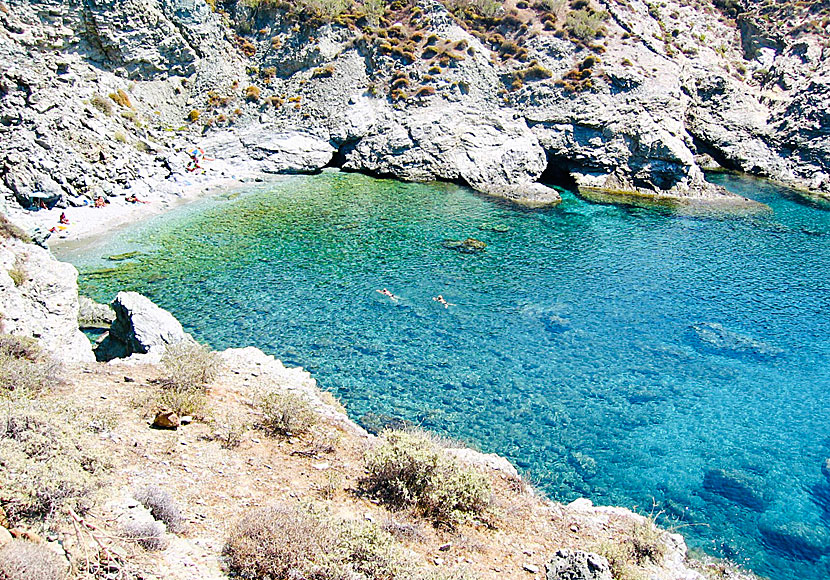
[(577, 565), (140, 327)]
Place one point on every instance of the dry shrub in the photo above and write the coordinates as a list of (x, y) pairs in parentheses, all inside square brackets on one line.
[(279, 542), (121, 98), (101, 103), (148, 535), (21, 560), (252, 94), (162, 506), (410, 469), (24, 368), (188, 368), (46, 464), (286, 542), (640, 545), (286, 413), (188, 364), (10, 231)]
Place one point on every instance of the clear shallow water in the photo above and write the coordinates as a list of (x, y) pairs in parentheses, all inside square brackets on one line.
[(570, 348)]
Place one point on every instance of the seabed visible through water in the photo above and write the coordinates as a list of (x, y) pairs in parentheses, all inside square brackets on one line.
[(639, 357)]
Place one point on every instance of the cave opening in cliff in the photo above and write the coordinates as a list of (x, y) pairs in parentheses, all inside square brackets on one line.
[(558, 173), (338, 160)]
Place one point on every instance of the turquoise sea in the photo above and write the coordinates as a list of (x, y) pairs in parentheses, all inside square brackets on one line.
[(677, 364)]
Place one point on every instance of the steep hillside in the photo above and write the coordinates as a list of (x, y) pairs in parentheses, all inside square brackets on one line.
[(624, 97)]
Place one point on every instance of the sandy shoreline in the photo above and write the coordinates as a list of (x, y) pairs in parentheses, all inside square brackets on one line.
[(88, 222)]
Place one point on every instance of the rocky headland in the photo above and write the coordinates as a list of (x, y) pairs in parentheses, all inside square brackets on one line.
[(632, 99)]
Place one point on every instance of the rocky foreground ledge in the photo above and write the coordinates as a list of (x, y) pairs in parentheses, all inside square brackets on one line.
[(144, 469), (623, 98)]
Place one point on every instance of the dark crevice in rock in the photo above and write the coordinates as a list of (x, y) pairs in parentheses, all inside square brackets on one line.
[(703, 147), (343, 150), (558, 173)]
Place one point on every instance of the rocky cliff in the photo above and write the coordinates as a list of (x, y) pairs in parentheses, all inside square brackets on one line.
[(104, 98), (39, 299)]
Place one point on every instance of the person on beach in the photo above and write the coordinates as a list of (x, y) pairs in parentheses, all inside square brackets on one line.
[(133, 199), (101, 202), (63, 219), (440, 300)]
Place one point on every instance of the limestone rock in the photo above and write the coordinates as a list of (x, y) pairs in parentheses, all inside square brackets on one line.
[(484, 460), (577, 565), (142, 327), (44, 304), (94, 315), (5, 536), (287, 152)]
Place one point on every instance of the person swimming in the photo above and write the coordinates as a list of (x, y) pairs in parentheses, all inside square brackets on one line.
[(386, 292), (441, 300)]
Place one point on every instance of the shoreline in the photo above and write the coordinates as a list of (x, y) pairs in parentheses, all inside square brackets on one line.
[(87, 222)]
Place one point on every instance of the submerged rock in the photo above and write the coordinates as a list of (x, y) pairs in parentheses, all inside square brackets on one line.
[(577, 565), (736, 487), (468, 246), (713, 337), (796, 540)]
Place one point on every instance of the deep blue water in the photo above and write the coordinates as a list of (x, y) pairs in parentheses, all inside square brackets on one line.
[(622, 354)]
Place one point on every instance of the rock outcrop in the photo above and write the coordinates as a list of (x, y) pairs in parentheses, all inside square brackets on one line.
[(140, 327), (39, 298), (105, 100), (576, 565)]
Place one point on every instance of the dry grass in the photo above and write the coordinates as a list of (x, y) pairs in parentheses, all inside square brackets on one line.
[(10, 231), (48, 464), (312, 546), (25, 369)]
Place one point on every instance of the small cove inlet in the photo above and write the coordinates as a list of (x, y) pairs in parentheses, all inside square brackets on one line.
[(675, 364)]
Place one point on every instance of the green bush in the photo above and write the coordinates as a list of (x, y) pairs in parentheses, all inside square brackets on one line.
[(286, 413), (21, 560), (585, 24), (410, 469)]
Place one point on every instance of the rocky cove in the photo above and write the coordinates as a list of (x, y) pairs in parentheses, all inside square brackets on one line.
[(94, 104), (106, 98)]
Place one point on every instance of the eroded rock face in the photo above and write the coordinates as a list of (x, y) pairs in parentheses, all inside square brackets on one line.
[(577, 565), (140, 327), (673, 81), (39, 298)]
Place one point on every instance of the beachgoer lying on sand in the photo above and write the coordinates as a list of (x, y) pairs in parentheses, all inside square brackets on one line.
[(440, 300), (386, 292), (133, 199), (63, 219), (100, 201)]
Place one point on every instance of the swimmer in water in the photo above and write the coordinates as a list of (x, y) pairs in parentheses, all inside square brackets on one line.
[(440, 299), (386, 292)]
